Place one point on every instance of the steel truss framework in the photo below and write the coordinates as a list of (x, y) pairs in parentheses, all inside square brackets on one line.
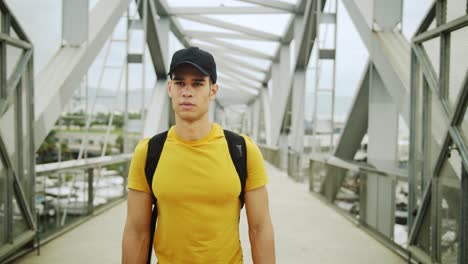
[(271, 93), (17, 170), (430, 97)]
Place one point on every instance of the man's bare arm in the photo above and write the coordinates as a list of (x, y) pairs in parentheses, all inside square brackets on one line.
[(136, 234), (260, 227)]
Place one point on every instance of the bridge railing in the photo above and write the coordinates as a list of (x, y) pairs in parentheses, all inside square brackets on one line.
[(69, 192), (377, 200)]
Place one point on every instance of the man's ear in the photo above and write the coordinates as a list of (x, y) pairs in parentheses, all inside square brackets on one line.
[(214, 90), (169, 88)]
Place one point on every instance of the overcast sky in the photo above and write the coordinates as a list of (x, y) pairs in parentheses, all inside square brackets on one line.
[(42, 22)]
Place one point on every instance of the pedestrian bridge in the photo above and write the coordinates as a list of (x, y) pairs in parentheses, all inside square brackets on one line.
[(307, 230), (358, 106)]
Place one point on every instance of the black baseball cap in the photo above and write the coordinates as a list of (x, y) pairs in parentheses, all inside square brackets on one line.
[(196, 57)]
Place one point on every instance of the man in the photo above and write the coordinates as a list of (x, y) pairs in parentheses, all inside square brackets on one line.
[(196, 184)]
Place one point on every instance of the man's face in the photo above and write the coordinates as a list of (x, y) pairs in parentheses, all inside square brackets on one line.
[(191, 93)]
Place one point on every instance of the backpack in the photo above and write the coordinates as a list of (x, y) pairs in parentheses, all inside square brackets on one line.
[(237, 150)]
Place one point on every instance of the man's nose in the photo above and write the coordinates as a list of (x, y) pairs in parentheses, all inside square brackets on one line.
[(187, 91)]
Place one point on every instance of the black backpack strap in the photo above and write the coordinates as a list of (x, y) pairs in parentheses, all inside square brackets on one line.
[(238, 151), (155, 147)]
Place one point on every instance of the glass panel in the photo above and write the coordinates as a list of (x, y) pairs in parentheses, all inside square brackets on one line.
[(419, 146), (449, 206), (400, 234), (413, 13), (28, 189), (62, 198), (7, 130), (348, 194), (108, 185), (458, 65), (464, 127), (424, 237), (455, 9), (318, 172), (438, 129), (432, 48), (13, 56), (403, 143), (19, 223), (2, 202)]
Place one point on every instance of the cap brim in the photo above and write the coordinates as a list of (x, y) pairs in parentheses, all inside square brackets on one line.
[(191, 63)]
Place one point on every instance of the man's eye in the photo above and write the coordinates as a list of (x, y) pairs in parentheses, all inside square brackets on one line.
[(179, 83), (198, 84)]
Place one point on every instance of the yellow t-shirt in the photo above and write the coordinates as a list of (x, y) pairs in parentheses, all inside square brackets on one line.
[(198, 189)]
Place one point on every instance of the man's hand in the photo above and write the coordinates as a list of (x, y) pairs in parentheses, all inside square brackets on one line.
[(260, 227), (136, 236)]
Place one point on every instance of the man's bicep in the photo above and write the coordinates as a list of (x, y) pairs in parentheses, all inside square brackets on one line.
[(257, 207), (139, 206)]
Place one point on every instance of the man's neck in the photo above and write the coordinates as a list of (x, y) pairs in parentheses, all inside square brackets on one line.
[(193, 131)]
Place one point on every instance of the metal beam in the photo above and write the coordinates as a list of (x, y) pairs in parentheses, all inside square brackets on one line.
[(210, 35), (13, 81), (163, 10), (428, 18), (461, 104), (239, 63), (230, 80), (241, 50), (463, 248), (220, 49), (15, 42), (232, 68), (66, 70), (305, 30), (240, 89), (389, 51), (157, 39), (356, 122), (288, 36), (18, 188), (231, 26), (14, 22), (273, 4), (449, 27), (224, 10)]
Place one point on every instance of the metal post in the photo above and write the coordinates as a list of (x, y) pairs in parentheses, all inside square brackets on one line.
[(414, 139), (3, 57), (143, 77), (19, 146), (124, 169), (444, 65), (9, 205), (435, 219), (90, 191), (333, 88), (30, 129), (125, 123), (463, 246), (5, 28)]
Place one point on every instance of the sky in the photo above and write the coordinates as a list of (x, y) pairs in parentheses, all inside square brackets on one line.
[(42, 22)]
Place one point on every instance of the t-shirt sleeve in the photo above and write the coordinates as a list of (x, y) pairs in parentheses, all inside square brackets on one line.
[(256, 172), (136, 175)]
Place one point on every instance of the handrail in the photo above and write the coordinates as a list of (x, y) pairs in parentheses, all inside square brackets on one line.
[(352, 165), (48, 168)]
